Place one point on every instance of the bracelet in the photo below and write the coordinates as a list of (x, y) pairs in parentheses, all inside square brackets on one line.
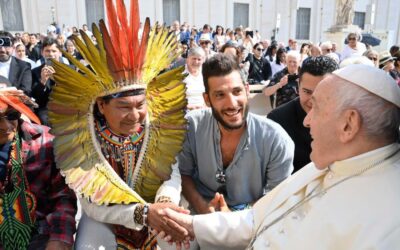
[(140, 214), (163, 199)]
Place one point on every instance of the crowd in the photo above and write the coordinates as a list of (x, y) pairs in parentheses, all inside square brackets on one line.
[(142, 125)]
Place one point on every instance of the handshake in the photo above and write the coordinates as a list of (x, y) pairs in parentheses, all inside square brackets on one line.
[(174, 224)]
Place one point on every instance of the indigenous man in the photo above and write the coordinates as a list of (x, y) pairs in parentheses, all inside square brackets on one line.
[(347, 198), (116, 141), (37, 207)]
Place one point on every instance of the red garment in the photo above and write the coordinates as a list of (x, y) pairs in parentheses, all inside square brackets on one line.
[(56, 203)]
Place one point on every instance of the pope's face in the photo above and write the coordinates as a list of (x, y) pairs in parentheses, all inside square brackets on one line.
[(124, 115), (322, 119)]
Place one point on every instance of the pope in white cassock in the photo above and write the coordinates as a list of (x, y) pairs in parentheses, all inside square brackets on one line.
[(348, 197)]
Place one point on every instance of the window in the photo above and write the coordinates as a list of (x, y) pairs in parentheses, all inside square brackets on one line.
[(241, 15), (303, 23), (94, 12), (12, 15), (359, 19), (171, 11)]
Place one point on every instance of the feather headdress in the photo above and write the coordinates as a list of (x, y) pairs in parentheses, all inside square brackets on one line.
[(119, 62)]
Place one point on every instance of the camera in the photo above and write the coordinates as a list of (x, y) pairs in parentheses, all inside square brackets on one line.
[(292, 78), (5, 41), (250, 33)]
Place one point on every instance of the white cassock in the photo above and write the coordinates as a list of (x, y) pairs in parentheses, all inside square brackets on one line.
[(359, 210)]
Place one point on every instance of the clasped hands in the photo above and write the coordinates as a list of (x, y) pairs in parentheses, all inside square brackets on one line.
[(174, 224)]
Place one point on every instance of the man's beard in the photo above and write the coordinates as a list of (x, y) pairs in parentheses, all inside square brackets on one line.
[(226, 125)]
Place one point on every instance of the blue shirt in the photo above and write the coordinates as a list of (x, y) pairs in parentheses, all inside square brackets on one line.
[(263, 158)]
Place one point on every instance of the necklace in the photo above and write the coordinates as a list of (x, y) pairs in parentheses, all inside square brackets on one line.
[(120, 151), (312, 195)]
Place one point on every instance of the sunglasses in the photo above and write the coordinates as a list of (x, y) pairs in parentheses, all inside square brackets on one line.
[(11, 116), (328, 50), (373, 59), (259, 49), (203, 43), (351, 38)]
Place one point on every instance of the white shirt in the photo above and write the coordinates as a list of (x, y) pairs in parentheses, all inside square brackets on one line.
[(5, 68), (358, 212), (194, 89)]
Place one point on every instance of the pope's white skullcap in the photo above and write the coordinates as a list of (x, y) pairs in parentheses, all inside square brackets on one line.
[(373, 80)]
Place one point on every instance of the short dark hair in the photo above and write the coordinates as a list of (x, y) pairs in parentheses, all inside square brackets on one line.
[(318, 66), (219, 65), (49, 41)]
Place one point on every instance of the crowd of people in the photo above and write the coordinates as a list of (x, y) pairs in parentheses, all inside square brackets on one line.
[(154, 137)]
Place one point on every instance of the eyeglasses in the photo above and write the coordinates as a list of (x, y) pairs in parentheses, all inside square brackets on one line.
[(373, 59), (11, 116), (351, 38), (259, 49)]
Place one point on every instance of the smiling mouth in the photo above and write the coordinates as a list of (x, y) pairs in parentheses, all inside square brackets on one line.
[(232, 113)]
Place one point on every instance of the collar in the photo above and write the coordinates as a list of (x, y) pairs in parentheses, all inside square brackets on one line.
[(361, 162)]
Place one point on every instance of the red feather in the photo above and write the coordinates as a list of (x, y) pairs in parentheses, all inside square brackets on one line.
[(143, 46), (16, 103)]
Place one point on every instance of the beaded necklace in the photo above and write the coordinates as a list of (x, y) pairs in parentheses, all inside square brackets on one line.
[(120, 151)]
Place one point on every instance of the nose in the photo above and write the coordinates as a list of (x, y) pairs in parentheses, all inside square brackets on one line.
[(306, 121), (231, 101), (133, 115)]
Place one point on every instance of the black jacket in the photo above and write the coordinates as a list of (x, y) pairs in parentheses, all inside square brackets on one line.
[(20, 75), (291, 116)]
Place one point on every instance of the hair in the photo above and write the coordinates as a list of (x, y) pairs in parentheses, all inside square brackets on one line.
[(303, 46), (48, 41), (318, 66), (279, 52), (379, 118), (198, 51), (216, 29), (394, 49), (219, 65), (356, 60), (228, 44), (294, 54), (256, 45), (357, 35), (271, 48), (326, 44)]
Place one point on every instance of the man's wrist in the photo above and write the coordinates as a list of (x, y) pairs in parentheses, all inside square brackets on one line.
[(140, 214)]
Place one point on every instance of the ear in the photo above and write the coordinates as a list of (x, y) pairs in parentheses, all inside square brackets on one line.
[(206, 98), (350, 125), (100, 104), (247, 88)]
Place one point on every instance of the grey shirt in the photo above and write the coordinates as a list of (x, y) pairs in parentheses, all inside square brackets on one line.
[(263, 158)]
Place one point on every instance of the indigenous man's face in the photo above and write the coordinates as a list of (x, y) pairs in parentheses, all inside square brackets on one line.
[(124, 115), (228, 98), (8, 127), (323, 121), (308, 83)]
